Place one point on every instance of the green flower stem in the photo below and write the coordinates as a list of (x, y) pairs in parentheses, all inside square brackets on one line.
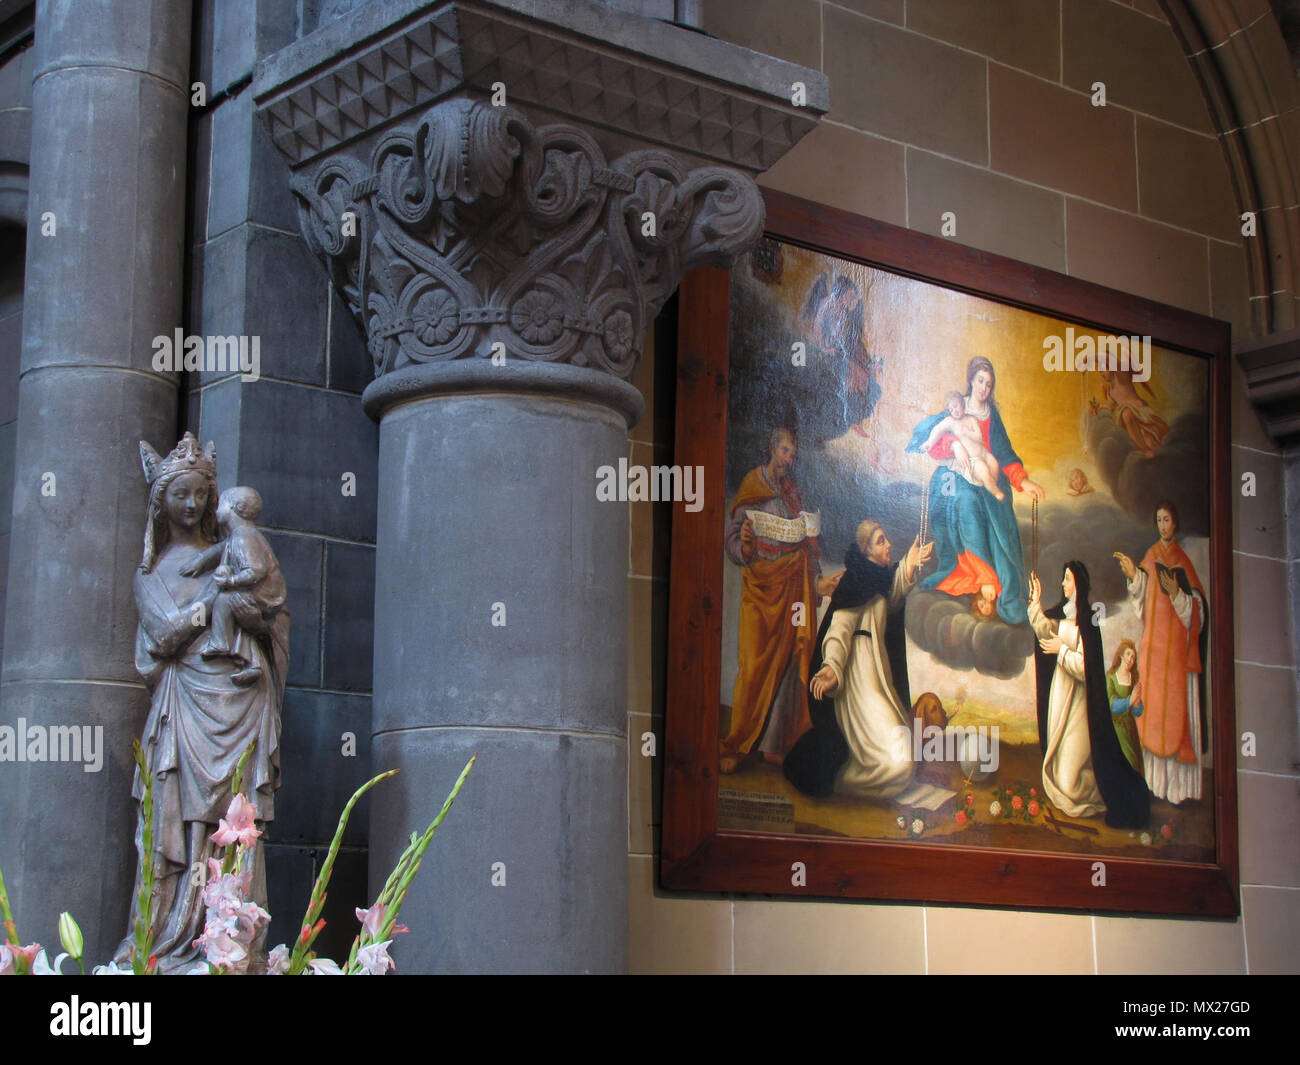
[(394, 893), (237, 781), (11, 932), (302, 949), (230, 859), (143, 947)]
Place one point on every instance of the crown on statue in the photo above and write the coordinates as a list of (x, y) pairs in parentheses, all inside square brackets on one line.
[(186, 457)]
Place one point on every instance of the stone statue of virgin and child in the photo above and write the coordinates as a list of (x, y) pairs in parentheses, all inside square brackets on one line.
[(213, 648)]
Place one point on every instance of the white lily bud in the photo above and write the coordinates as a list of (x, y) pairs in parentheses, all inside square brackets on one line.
[(70, 936)]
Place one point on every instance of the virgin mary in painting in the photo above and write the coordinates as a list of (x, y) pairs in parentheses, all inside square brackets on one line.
[(976, 534)]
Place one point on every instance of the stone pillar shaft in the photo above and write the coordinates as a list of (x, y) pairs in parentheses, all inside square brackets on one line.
[(505, 194), (500, 599), (104, 276)]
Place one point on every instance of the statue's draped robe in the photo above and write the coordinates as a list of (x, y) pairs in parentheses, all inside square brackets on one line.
[(1170, 665), (199, 725), (769, 704)]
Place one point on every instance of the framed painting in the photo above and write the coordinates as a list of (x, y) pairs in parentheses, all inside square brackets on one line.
[(954, 622)]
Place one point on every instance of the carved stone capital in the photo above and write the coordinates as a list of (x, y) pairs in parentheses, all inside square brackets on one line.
[(524, 181), (472, 233)]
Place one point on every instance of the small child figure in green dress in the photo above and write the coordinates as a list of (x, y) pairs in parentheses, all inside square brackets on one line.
[(1124, 691)]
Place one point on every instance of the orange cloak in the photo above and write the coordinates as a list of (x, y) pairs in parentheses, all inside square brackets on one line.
[(778, 577)]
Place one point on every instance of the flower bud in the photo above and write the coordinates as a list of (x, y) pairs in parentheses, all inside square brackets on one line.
[(70, 936)]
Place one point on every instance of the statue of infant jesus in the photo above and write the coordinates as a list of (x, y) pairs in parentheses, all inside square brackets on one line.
[(252, 586)]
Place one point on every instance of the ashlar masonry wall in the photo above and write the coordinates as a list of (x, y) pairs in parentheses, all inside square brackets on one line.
[(984, 110)]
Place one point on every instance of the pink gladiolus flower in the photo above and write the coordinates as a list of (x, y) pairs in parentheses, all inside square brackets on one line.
[(232, 919), (251, 917), (324, 967), (277, 962), (238, 824), (10, 957), (372, 920), (222, 950), (374, 959), (28, 952)]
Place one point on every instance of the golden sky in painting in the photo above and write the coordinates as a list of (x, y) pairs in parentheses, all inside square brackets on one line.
[(926, 334)]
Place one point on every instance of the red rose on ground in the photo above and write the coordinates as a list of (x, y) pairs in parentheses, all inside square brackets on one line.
[(1033, 793), (1167, 831), (1008, 791), (1033, 808), (961, 817), (1017, 803), (970, 800)]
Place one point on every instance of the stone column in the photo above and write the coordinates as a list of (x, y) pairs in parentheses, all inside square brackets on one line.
[(104, 276), (500, 605), (504, 266)]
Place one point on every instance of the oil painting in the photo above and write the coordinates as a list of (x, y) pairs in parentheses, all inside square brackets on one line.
[(963, 592), (967, 572)]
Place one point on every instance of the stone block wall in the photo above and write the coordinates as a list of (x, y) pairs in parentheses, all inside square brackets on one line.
[(294, 435), (985, 110)]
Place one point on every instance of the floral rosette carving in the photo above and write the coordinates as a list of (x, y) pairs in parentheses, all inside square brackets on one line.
[(474, 233)]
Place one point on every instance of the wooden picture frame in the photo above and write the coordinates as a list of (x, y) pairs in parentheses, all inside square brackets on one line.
[(698, 855)]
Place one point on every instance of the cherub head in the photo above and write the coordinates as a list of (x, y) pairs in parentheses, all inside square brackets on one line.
[(1078, 482), (238, 504), (985, 602)]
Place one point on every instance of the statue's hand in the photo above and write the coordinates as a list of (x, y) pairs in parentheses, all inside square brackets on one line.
[(194, 566)]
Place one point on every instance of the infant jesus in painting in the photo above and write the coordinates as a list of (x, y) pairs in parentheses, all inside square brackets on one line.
[(973, 459), (252, 586)]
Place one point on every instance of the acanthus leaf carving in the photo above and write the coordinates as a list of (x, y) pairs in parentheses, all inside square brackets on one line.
[(474, 228)]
